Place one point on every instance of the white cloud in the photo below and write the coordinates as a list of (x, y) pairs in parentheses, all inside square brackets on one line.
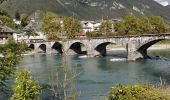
[(163, 2)]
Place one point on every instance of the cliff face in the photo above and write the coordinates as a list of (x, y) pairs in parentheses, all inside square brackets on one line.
[(88, 9)]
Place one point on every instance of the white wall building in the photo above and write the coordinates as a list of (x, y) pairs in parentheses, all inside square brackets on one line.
[(90, 26)]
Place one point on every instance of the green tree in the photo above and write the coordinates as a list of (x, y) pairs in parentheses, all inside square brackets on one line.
[(11, 56), (17, 16), (71, 27), (106, 27), (158, 25), (51, 26), (131, 24), (119, 28), (31, 32), (144, 26), (7, 21), (3, 12), (24, 20), (26, 88)]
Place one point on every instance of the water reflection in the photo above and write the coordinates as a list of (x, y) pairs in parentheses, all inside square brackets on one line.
[(99, 74)]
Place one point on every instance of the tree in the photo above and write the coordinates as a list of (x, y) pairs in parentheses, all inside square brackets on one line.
[(24, 20), (7, 21), (158, 25), (3, 12), (131, 24), (120, 28), (17, 16), (26, 88), (51, 26), (144, 26), (11, 56), (71, 27), (106, 27), (31, 32)]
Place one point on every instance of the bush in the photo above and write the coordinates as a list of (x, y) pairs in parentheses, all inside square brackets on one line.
[(26, 88), (93, 34), (136, 92)]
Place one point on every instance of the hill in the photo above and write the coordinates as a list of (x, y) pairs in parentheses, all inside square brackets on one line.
[(168, 6), (88, 9)]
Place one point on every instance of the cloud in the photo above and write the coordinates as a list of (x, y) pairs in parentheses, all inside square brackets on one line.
[(163, 2)]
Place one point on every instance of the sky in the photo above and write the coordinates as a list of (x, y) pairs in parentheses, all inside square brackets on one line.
[(164, 2)]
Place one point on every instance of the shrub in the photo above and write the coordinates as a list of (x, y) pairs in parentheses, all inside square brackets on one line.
[(136, 92)]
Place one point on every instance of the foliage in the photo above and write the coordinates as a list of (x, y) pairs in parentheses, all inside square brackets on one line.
[(11, 56), (93, 34), (26, 88), (136, 92), (7, 21), (106, 27), (120, 28), (143, 25), (3, 12), (31, 32), (71, 27), (17, 16), (24, 20), (51, 25), (158, 25)]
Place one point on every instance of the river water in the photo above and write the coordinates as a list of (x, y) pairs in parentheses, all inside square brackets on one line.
[(98, 75)]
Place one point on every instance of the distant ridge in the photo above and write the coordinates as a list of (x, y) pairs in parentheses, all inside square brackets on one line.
[(88, 9)]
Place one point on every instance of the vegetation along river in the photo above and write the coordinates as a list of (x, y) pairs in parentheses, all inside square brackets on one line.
[(97, 75)]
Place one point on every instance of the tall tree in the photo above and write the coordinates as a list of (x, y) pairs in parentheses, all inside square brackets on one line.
[(158, 25), (131, 24), (71, 27), (106, 27), (31, 32), (12, 55), (24, 20), (51, 26), (144, 26), (17, 16)]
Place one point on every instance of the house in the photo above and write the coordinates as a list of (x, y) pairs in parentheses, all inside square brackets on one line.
[(90, 26), (6, 32)]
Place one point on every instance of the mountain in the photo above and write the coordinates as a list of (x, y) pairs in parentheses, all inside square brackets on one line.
[(168, 6), (88, 9)]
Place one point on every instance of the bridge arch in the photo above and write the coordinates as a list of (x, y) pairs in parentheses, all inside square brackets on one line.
[(31, 46), (102, 48), (77, 47), (57, 47), (42, 47), (144, 47)]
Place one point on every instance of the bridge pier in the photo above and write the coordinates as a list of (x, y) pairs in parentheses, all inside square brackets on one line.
[(133, 54), (36, 48), (48, 48), (91, 52)]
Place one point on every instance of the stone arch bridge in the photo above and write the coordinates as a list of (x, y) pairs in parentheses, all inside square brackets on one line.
[(136, 46)]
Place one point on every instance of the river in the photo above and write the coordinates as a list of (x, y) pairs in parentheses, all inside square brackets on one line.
[(98, 75)]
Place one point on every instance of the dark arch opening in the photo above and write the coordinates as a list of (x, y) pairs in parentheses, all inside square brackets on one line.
[(77, 47), (58, 47), (43, 47), (144, 48), (102, 48), (32, 46)]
